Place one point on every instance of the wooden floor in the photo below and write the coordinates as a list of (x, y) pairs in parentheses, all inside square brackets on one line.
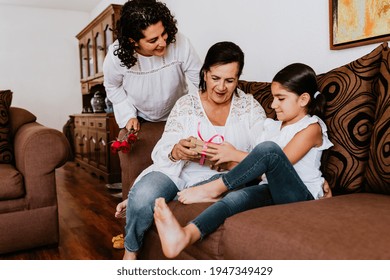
[(86, 217)]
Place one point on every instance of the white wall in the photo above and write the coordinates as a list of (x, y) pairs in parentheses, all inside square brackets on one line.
[(272, 34), (39, 54), (39, 61)]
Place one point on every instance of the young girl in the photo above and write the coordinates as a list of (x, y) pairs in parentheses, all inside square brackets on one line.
[(288, 159)]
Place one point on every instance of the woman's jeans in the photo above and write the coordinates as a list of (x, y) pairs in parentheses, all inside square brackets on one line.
[(140, 206), (284, 186)]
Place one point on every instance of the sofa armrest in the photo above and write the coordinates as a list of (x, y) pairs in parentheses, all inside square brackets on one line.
[(19, 117), (139, 158), (38, 152)]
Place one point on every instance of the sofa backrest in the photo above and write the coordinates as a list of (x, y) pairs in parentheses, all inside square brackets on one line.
[(358, 120)]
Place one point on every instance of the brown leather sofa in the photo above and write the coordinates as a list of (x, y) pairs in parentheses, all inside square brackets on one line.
[(354, 224), (28, 197)]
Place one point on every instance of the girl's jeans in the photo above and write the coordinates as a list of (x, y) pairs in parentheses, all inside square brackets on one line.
[(140, 205), (284, 186)]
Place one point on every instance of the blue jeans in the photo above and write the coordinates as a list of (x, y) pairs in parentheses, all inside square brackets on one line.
[(284, 186), (140, 206)]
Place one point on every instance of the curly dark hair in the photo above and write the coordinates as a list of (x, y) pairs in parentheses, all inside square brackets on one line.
[(136, 16)]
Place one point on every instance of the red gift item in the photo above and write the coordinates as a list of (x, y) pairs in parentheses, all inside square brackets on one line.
[(115, 146), (125, 147), (203, 155), (125, 143), (132, 138)]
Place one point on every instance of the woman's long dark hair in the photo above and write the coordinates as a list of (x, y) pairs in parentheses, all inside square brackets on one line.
[(136, 16), (219, 54), (300, 78)]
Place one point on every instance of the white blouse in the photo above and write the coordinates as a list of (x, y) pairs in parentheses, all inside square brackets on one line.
[(151, 87), (243, 129), (308, 167)]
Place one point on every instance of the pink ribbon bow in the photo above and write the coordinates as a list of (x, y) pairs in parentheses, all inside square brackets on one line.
[(203, 152)]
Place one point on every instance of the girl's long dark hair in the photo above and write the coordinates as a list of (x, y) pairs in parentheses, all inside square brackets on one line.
[(300, 78), (136, 16)]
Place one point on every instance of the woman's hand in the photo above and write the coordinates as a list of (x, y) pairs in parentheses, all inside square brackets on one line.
[(327, 190), (181, 150), (134, 124)]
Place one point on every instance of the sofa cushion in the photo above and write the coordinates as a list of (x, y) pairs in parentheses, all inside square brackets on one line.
[(6, 154), (378, 169), (351, 101), (11, 183), (209, 248), (353, 227)]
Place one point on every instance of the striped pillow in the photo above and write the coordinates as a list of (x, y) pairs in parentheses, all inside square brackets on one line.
[(6, 153)]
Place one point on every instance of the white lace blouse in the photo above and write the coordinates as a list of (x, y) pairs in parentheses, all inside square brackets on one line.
[(243, 129), (151, 87)]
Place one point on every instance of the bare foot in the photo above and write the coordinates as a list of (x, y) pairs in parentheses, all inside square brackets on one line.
[(130, 255), (173, 237), (209, 192), (121, 209)]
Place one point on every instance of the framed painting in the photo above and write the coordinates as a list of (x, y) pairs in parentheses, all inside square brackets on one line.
[(355, 23)]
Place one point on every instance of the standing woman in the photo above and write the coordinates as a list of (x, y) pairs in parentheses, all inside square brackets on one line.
[(145, 69)]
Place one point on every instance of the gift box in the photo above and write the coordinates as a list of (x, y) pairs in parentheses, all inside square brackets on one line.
[(200, 148)]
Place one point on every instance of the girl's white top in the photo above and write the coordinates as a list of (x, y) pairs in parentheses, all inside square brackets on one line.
[(242, 129), (308, 168), (151, 87)]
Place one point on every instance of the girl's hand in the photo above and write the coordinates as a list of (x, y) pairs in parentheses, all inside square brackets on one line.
[(134, 124), (181, 150), (224, 153), (327, 190)]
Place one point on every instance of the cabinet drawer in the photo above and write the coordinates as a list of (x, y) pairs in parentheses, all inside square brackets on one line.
[(80, 122), (101, 123), (91, 122)]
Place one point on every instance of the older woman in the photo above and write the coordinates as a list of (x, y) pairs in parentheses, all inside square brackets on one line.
[(218, 112)]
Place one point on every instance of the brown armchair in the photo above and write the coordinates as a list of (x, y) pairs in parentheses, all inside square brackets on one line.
[(28, 197)]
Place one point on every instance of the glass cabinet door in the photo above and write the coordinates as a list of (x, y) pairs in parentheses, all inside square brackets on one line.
[(108, 35), (99, 52), (83, 61), (91, 67), (99, 48)]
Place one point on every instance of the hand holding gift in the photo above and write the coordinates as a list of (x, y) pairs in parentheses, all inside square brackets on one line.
[(217, 156)]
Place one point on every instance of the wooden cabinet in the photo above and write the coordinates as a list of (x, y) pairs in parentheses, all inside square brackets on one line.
[(93, 132), (94, 41), (92, 136)]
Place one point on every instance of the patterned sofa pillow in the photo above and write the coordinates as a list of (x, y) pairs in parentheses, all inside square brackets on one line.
[(6, 154), (261, 92), (350, 115), (378, 169)]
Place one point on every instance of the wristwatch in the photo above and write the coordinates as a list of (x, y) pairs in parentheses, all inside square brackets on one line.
[(171, 158)]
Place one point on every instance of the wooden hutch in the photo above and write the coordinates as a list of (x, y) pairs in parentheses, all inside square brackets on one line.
[(93, 132)]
